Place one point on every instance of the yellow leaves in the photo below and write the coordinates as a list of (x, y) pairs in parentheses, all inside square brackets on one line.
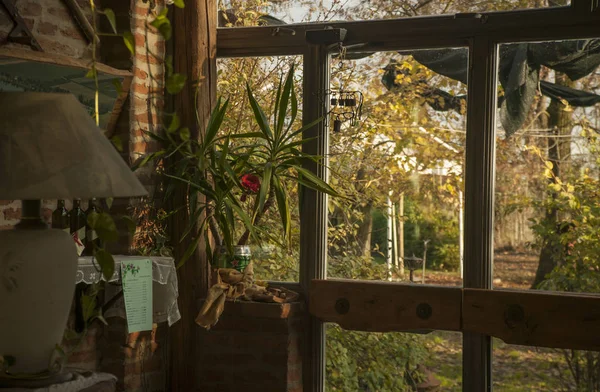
[(566, 106)]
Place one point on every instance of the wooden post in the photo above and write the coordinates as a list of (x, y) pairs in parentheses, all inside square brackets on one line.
[(194, 54)]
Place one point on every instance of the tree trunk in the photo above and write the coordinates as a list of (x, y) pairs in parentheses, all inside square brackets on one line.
[(559, 122), (365, 226), (194, 55)]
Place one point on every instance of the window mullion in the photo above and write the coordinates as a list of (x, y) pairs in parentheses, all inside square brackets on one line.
[(584, 6), (313, 208), (479, 201)]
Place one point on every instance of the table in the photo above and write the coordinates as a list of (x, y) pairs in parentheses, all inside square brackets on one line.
[(165, 287)]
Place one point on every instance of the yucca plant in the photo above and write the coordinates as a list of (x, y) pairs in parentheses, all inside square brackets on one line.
[(274, 156), (228, 168)]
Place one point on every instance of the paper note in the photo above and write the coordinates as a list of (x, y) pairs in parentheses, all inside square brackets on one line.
[(136, 276)]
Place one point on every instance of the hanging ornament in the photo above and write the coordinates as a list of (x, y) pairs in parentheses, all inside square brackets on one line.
[(345, 105), (337, 125)]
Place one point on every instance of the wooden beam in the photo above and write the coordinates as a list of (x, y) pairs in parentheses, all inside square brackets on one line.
[(20, 33), (194, 55), (406, 33), (386, 307), (82, 21), (57, 59), (534, 318)]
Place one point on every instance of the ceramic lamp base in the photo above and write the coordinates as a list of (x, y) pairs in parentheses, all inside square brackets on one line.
[(37, 281)]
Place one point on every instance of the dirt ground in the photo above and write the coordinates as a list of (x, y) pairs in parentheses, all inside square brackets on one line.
[(511, 270)]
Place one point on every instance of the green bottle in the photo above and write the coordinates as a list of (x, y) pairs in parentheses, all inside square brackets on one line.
[(60, 217), (91, 235)]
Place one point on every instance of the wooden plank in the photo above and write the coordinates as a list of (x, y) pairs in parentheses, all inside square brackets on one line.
[(537, 24), (82, 21), (386, 307), (534, 318), (57, 59), (194, 55)]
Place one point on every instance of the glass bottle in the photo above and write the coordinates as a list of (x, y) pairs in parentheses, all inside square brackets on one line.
[(91, 235), (60, 217), (77, 225)]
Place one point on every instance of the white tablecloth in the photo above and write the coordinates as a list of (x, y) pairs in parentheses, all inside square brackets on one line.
[(165, 289)]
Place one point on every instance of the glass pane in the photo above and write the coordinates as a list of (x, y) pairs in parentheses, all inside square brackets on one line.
[(547, 204), (397, 158), (258, 12), (394, 362), (521, 368), (547, 167), (273, 259)]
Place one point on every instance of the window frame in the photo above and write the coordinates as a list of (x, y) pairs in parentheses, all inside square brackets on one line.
[(482, 33)]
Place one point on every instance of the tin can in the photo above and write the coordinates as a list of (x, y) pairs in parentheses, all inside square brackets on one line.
[(239, 260)]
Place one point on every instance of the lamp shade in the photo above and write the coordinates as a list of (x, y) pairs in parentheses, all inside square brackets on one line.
[(50, 148)]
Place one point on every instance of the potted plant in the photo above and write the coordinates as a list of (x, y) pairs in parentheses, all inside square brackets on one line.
[(242, 176)]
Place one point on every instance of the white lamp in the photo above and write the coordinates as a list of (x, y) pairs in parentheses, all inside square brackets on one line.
[(50, 148)]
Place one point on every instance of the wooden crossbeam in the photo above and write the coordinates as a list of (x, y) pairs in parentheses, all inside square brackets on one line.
[(528, 318), (20, 33), (385, 307), (534, 318)]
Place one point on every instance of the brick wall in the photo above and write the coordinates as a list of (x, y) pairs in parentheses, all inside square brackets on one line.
[(56, 32), (146, 99), (139, 360), (253, 347), (52, 26)]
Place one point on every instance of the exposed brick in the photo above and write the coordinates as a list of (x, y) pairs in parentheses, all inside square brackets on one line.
[(30, 8), (6, 202), (61, 13), (46, 215), (12, 213), (138, 73), (147, 59), (47, 28), (147, 118), (30, 23), (141, 11), (72, 32), (54, 46), (143, 88), (159, 46), (144, 147)]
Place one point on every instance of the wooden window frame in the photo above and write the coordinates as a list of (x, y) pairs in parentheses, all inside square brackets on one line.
[(482, 33)]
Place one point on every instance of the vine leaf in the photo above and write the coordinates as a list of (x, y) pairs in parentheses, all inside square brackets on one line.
[(107, 263), (129, 42), (110, 15), (175, 83)]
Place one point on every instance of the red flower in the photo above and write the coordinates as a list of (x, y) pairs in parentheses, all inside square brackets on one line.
[(250, 182)]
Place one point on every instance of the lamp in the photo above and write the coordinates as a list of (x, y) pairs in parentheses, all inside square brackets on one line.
[(50, 148)]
